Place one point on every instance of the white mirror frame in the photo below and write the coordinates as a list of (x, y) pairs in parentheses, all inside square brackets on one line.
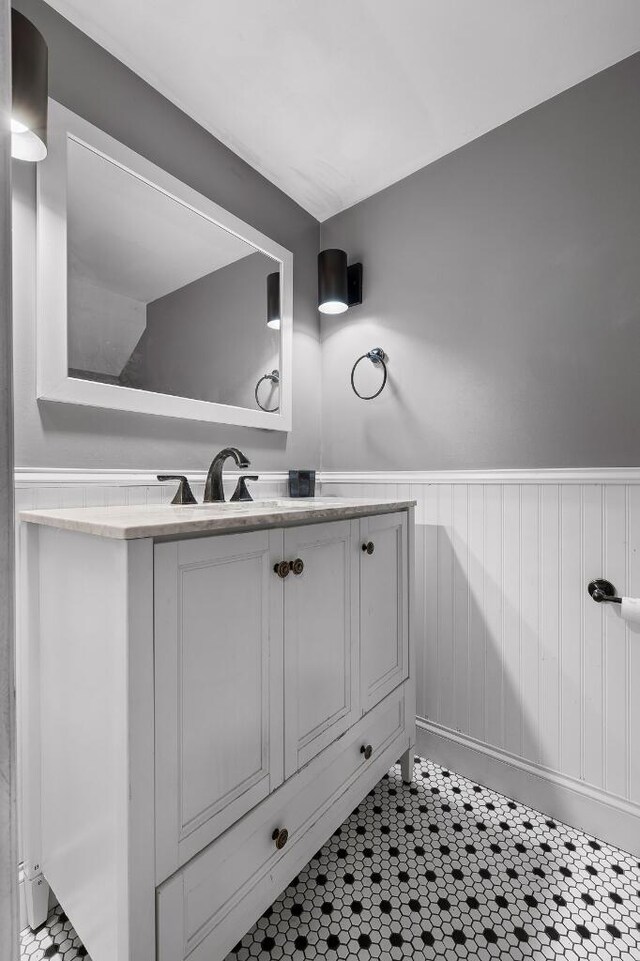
[(53, 381)]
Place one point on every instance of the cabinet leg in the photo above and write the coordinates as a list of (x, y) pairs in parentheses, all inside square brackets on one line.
[(406, 764), (36, 893)]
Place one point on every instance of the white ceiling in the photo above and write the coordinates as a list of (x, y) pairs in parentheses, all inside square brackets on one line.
[(134, 239), (333, 100)]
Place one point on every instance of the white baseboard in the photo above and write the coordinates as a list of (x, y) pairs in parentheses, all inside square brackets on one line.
[(22, 904), (605, 816), (22, 900)]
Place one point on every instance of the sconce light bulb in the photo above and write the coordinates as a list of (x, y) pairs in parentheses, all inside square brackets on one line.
[(27, 145), (17, 126), (333, 307), (274, 323)]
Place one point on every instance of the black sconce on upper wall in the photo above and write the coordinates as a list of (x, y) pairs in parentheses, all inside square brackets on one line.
[(339, 286), (273, 300), (30, 89)]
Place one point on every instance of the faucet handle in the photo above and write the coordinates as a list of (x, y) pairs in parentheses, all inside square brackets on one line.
[(241, 493), (184, 494)]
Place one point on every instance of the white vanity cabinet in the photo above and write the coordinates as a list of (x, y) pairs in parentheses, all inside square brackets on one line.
[(242, 707)]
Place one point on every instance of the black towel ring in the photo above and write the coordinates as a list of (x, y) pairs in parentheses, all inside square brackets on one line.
[(377, 356), (274, 377)]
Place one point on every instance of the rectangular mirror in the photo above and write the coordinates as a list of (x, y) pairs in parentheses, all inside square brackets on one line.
[(151, 297)]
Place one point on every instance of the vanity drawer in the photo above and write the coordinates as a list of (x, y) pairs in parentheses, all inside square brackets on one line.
[(207, 906)]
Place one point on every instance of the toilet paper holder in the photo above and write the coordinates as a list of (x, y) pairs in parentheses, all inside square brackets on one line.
[(601, 590)]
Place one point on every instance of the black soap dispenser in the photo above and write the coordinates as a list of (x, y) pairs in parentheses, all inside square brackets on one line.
[(302, 483)]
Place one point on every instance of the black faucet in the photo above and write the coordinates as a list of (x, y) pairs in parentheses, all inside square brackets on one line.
[(213, 489)]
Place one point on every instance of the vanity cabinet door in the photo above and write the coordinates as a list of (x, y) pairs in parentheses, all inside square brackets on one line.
[(218, 686), (320, 638), (384, 593)]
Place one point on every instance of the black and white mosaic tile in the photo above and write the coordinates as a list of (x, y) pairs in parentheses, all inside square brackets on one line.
[(55, 939), (442, 869)]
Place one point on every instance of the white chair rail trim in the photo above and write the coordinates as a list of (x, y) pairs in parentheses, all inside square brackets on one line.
[(42, 476), (559, 475)]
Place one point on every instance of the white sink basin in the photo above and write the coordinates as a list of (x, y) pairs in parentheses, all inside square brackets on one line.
[(277, 503)]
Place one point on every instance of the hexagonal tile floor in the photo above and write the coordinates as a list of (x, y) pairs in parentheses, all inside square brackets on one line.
[(442, 869), (55, 939)]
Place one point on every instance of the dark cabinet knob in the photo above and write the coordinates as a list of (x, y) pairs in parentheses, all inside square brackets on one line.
[(280, 836), (368, 548), (367, 750), (282, 569), (296, 566)]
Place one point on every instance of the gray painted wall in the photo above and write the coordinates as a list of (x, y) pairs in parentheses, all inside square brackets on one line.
[(504, 283), (103, 326), (87, 80), (8, 825), (210, 339)]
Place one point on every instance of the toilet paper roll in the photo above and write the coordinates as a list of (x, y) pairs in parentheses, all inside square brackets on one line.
[(631, 609)]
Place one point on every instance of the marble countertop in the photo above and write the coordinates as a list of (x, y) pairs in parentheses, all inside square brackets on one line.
[(166, 520)]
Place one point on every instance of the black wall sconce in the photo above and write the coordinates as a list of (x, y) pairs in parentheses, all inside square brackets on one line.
[(339, 286), (30, 89), (273, 300)]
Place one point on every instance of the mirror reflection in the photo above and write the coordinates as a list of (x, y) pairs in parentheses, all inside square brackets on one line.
[(160, 298)]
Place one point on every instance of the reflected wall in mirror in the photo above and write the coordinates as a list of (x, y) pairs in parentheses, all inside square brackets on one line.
[(171, 305), (160, 298)]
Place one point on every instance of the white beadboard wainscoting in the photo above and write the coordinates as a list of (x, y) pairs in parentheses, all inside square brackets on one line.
[(524, 683)]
